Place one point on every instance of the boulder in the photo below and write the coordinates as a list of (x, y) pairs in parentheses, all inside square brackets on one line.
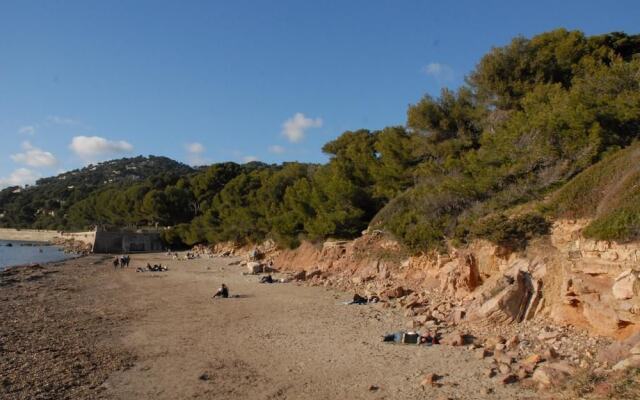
[(395, 293), (630, 362), (255, 267), (453, 339), (460, 277), (626, 285), (548, 375), (510, 304), (300, 276)]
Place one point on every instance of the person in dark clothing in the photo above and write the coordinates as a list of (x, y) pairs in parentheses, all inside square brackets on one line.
[(222, 292), (267, 279)]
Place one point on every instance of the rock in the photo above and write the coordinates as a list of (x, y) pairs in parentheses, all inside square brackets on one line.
[(421, 318), (508, 379), (313, 274), (513, 342), (395, 293), (635, 350), (373, 388), (300, 276), (553, 374), (626, 286), (531, 361), (550, 354), (631, 362), (509, 304), (480, 353), (453, 339), (458, 315), (460, 276), (491, 342), (500, 346), (255, 267), (489, 372), (412, 324), (204, 377), (429, 379), (544, 336), (504, 369), (502, 358), (522, 373)]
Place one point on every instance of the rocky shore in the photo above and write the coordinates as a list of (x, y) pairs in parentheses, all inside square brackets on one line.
[(53, 344)]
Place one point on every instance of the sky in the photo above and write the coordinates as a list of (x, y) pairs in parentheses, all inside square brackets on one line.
[(212, 81)]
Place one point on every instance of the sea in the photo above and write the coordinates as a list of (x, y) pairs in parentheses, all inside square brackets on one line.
[(15, 252)]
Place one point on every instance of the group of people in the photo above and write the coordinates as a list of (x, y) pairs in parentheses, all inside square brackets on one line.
[(153, 268), (121, 261)]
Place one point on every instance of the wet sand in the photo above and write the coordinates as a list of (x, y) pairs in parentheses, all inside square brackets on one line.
[(80, 329)]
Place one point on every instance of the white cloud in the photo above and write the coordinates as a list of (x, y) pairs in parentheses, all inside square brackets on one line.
[(19, 177), (195, 148), (27, 130), (250, 159), (34, 157), (93, 147), (195, 151), (275, 149), (440, 72), (294, 128)]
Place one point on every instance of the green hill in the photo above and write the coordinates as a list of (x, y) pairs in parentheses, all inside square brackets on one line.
[(45, 204)]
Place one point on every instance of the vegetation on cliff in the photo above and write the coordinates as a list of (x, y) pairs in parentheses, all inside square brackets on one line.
[(532, 115)]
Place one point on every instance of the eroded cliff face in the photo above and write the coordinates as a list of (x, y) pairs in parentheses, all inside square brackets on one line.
[(600, 288), (564, 278)]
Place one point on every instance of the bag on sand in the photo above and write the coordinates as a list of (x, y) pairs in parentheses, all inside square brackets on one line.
[(410, 338)]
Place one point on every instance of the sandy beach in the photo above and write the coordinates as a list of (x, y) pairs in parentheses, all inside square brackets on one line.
[(80, 329)]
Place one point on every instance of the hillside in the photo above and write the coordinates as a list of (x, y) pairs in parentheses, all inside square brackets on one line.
[(608, 194), (45, 204)]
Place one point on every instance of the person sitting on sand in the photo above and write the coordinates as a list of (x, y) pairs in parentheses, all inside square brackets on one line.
[(357, 299), (267, 279), (222, 292), (411, 338)]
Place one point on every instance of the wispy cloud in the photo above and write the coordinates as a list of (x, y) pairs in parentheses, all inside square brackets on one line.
[(276, 149), (34, 157), (27, 130), (194, 153), (294, 128), (442, 73), (92, 148), (58, 120), (19, 177)]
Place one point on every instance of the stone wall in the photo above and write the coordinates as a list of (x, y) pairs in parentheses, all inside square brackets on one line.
[(126, 242)]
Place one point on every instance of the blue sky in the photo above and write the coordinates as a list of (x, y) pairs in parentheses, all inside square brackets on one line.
[(202, 82)]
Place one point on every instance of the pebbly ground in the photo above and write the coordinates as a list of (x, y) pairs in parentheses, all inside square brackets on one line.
[(81, 329)]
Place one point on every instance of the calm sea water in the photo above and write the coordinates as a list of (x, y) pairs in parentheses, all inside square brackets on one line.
[(21, 253)]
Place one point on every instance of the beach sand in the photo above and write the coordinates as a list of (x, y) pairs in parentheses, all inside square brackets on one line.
[(80, 329)]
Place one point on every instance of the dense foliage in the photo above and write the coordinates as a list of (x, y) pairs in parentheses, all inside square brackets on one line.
[(531, 116)]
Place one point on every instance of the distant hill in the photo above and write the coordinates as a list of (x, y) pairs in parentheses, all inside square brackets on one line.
[(42, 205)]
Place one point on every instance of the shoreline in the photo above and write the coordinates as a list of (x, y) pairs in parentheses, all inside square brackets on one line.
[(159, 335)]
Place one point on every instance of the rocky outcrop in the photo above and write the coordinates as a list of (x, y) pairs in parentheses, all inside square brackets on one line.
[(564, 277), (600, 282)]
